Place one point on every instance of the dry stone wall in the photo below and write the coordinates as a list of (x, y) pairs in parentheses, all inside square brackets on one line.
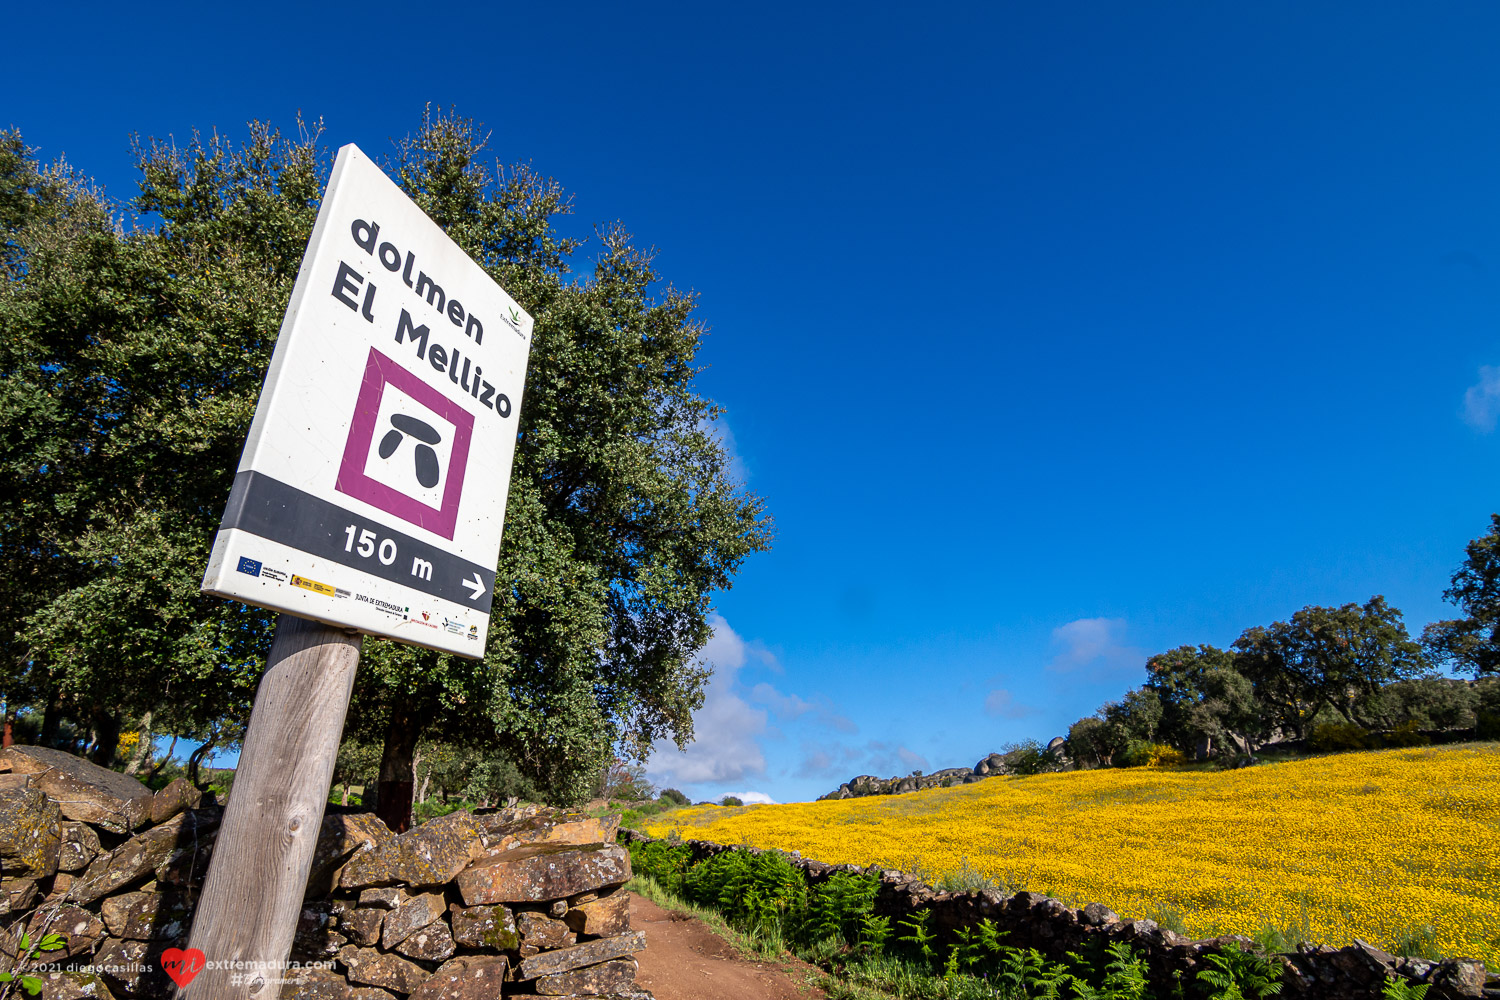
[(511, 902), (1031, 920)]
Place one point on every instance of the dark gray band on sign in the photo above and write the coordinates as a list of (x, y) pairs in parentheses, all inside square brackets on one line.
[(271, 509)]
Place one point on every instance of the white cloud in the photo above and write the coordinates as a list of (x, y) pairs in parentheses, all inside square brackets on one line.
[(1482, 400), (1094, 647), (816, 763), (886, 759), (838, 759), (783, 706), (737, 721), (833, 720), (720, 431), (725, 729), (754, 798), (791, 706), (1001, 704), (911, 758)]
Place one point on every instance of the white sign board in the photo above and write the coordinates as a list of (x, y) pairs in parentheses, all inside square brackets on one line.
[(371, 492)]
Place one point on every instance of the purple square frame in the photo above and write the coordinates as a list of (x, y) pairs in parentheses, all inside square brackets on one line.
[(381, 371)]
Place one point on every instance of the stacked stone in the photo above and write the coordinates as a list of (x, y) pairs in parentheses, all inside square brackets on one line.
[(512, 902), (466, 905), (95, 856)]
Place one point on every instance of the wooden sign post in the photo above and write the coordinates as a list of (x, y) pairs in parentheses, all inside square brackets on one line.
[(245, 918), (370, 498)]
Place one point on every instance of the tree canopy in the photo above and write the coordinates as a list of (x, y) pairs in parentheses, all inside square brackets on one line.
[(137, 340), (1352, 664), (1329, 657), (1472, 642)]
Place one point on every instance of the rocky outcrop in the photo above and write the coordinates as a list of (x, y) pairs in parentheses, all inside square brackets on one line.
[(1032, 920), (465, 907), (869, 784), (998, 764)]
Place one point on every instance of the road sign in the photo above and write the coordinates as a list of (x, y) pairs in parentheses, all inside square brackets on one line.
[(371, 491)]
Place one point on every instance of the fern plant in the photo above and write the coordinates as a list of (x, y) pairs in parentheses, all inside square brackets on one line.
[(873, 933), (950, 967), (1125, 973), (837, 907), (1025, 973), (751, 890), (919, 937), (1240, 975), (1397, 988), (661, 861)]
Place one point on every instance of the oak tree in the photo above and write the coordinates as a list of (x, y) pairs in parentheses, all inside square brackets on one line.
[(1472, 643), (1328, 657), (133, 357)]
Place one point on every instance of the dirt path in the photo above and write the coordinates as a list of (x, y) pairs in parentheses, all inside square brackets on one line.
[(684, 960)]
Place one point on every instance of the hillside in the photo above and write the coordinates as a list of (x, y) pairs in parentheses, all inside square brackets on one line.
[(1397, 847)]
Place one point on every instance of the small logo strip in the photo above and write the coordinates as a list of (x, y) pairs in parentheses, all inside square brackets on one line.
[(250, 567), (314, 586)]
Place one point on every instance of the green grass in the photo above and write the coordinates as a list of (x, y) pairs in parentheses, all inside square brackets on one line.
[(1417, 942)]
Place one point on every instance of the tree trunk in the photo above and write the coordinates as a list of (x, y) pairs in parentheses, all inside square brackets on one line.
[(107, 738), (397, 775), (51, 722), (197, 758), (7, 735), (142, 749), (165, 760)]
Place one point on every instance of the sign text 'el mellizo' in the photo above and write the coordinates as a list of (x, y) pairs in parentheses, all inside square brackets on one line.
[(371, 492)]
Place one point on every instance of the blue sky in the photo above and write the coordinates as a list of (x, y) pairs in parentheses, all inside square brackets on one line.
[(1054, 335)]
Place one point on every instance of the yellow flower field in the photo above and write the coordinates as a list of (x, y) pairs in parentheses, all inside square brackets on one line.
[(1368, 845)]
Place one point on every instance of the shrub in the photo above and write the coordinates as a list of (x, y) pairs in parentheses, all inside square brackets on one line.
[(1235, 973), (631, 818), (754, 890), (1487, 716), (433, 808), (730, 800), (1487, 726), (1328, 736), (1026, 757), (1405, 735), (966, 878), (1142, 754), (661, 861), (673, 796), (842, 906)]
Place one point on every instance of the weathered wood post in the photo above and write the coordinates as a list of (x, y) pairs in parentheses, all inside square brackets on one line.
[(248, 911)]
